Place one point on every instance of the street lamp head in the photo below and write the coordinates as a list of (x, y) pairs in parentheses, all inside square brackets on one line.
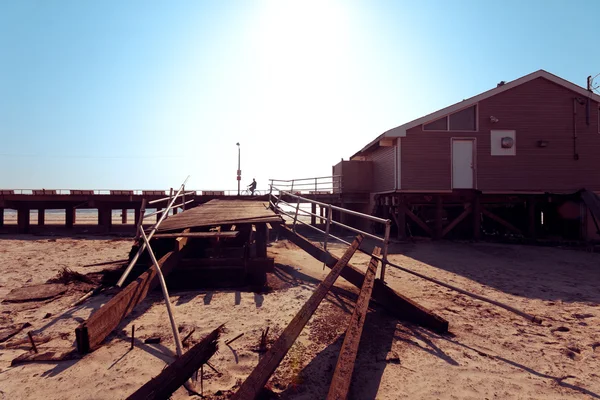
[(237, 144)]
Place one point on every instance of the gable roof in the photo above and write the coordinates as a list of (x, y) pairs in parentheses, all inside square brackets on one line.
[(400, 131)]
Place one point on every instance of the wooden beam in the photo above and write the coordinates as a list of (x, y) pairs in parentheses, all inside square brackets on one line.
[(124, 216), (180, 370), (340, 383), (439, 214), (396, 304), (457, 220), (502, 222), (200, 235), (269, 363), (261, 240), (41, 216), (91, 333), (476, 217), (69, 217), (417, 220), (23, 217)]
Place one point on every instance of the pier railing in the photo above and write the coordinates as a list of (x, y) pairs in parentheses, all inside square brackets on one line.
[(276, 200), (319, 185)]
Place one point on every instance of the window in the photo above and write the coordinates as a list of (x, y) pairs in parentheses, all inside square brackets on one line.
[(463, 120), (437, 125)]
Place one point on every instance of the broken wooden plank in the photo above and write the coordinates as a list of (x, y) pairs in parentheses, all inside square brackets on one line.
[(91, 333), (11, 331), (401, 307), (180, 370), (340, 383), (35, 292), (198, 235), (56, 354), (501, 221), (269, 363), (457, 220)]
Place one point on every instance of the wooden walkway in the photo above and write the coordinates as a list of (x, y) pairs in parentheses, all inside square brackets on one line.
[(221, 212)]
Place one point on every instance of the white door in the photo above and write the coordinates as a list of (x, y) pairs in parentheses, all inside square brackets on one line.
[(462, 164)]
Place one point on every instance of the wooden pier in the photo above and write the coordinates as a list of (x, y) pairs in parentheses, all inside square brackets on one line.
[(106, 201)]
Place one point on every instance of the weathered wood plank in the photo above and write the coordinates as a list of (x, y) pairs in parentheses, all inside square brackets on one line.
[(182, 369), (340, 383), (269, 363), (401, 307), (91, 333)]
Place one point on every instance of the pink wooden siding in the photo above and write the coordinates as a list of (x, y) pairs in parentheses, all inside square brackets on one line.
[(384, 166), (536, 110)]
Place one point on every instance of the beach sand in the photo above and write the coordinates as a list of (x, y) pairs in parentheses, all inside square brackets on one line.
[(491, 352)]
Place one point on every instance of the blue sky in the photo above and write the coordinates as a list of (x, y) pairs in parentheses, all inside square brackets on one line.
[(140, 94)]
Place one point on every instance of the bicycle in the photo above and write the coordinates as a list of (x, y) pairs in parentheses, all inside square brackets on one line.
[(247, 192)]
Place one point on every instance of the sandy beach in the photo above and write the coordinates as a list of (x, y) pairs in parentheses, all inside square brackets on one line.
[(491, 353)]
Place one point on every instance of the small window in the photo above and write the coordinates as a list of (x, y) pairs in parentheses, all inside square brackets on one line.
[(437, 125), (464, 120)]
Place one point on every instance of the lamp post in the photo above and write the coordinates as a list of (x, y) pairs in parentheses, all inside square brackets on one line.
[(239, 170)]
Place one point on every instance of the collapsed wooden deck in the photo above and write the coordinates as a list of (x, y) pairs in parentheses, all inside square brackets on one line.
[(220, 243), (195, 242)]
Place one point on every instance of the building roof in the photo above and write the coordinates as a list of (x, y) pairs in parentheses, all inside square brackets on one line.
[(400, 131)]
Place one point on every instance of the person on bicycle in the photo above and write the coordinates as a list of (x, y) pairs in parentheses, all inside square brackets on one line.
[(252, 186)]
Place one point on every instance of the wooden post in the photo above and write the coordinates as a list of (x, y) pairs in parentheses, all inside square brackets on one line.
[(313, 209), (322, 213), (69, 217), (158, 215), (137, 214), (23, 218), (124, 216), (1, 217), (105, 217), (439, 212), (401, 222), (531, 217), (175, 211), (476, 217), (41, 216), (261, 240)]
